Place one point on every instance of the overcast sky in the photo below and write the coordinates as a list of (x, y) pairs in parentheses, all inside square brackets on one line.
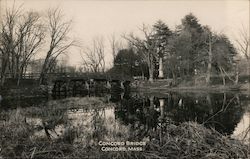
[(103, 17)]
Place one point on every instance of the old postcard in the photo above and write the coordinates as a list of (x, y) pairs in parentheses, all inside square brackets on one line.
[(124, 79)]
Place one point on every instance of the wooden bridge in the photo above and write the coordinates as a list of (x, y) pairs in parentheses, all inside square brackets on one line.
[(83, 84)]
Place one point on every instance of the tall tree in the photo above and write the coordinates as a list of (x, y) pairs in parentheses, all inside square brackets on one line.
[(21, 37), (190, 27), (207, 51), (59, 41), (147, 46), (161, 35), (8, 41), (223, 56), (180, 46), (30, 37)]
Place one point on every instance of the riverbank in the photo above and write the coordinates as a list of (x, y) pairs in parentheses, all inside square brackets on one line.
[(188, 140), (163, 86), (73, 127)]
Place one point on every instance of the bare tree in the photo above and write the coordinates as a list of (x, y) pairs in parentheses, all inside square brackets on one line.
[(210, 39), (211, 50), (243, 46), (20, 38), (59, 41), (4, 44), (8, 41), (94, 57), (243, 42), (30, 38), (147, 47)]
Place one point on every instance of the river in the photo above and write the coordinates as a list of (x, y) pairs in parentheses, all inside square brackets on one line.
[(135, 114)]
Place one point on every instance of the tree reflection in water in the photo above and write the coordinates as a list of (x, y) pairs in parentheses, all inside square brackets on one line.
[(148, 114)]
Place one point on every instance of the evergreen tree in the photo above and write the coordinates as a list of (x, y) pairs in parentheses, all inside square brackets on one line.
[(192, 30), (127, 62), (161, 36)]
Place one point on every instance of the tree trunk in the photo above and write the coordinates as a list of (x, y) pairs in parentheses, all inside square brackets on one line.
[(2, 80), (18, 79), (150, 67), (17, 69), (20, 75), (5, 61), (43, 71), (222, 76), (174, 77), (12, 65), (142, 73), (224, 81), (209, 67), (237, 75)]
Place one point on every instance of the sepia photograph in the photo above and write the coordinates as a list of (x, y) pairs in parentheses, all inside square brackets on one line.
[(124, 79)]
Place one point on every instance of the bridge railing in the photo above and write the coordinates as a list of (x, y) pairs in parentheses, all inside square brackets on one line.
[(36, 76)]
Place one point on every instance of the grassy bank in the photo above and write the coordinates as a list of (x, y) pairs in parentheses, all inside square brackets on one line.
[(163, 85), (188, 140), (80, 140)]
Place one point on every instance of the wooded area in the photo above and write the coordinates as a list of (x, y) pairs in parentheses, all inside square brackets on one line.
[(192, 49), (24, 34)]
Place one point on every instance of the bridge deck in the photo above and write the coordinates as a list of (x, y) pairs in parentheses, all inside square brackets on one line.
[(96, 77), (72, 86)]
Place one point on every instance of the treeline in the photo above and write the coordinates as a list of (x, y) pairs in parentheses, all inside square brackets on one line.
[(191, 50), (25, 33)]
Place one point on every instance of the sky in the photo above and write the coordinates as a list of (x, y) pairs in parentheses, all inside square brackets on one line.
[(106, 17)]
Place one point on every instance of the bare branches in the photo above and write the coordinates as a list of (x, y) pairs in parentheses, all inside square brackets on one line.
[(58, 30), (23, 34), (21, 37), (30, 38), (243, 42), (31, 35), (147, 46), (93, 57)]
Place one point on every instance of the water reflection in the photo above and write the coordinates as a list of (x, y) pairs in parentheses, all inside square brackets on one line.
[(220, 111), (86, 127), (136, 116)]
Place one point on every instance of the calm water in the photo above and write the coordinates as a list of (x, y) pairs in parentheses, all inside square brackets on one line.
[(135, 115)]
